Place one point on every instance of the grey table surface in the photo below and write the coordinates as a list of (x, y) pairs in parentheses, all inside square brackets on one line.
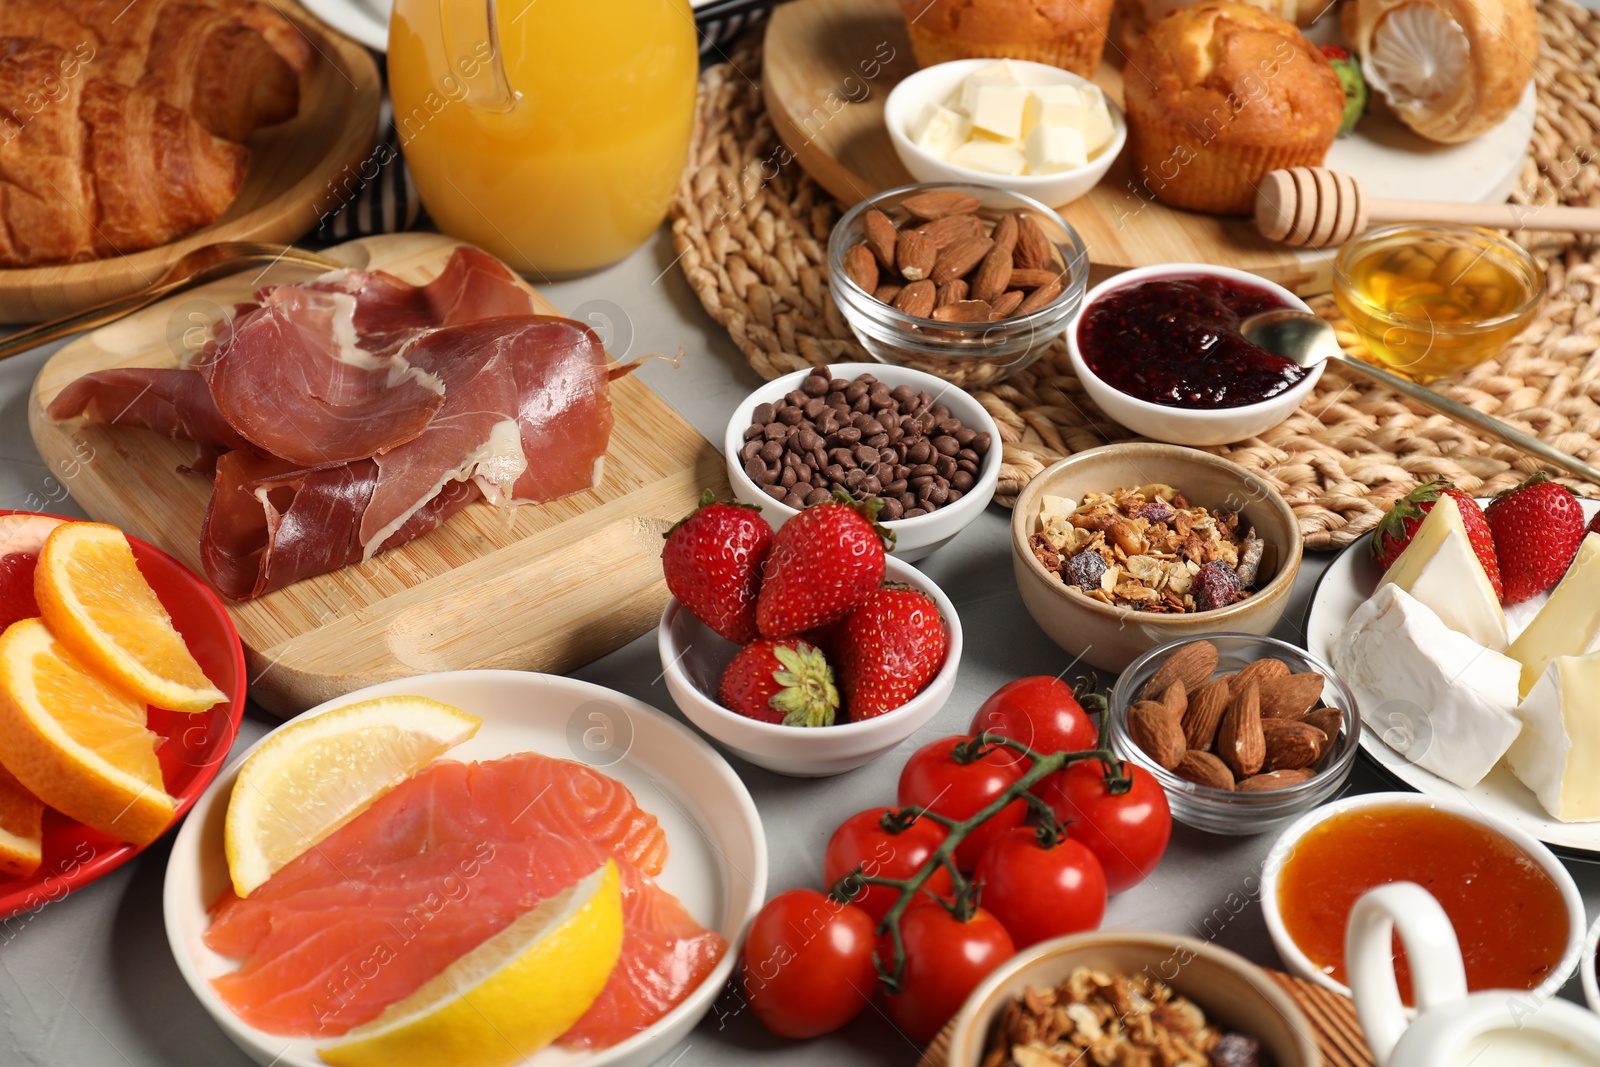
[(89, 980)]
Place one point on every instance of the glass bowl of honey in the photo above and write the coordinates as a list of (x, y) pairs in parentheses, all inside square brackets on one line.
[(1432, 301)]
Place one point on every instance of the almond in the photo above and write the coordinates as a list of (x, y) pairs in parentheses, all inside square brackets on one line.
[(1260, 783), (956, 259), (1204, 714), (1031, 278), (937, 204), (1153, 730), (1034, 250), (1202, 768), (1261, 670), (1006, 303), (1329, 720), (964, 311), (1291, 744), (1039, 298), (915, 255), (950, 229), (887, 293), (993, 275), (1175, 698), (1291, 695), (1005, 234), (951, 292), (917, 299), (1192, 664), (881, 237), (1240, 741), (861, 268)]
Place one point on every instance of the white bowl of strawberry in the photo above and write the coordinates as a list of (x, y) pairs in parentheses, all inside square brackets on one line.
[(807, 651)]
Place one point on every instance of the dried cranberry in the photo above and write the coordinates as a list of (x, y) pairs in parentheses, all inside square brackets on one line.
[(1085, 569), (1236, 1050), (1216, 586), (16, 588), (1156, 511)]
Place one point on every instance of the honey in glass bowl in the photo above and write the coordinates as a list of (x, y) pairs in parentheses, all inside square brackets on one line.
[(1432, 301)]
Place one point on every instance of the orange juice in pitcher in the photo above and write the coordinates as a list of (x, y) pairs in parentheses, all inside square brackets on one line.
[(549, 132)]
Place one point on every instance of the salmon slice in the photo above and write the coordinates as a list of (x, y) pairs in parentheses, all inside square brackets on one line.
[(437, 866)]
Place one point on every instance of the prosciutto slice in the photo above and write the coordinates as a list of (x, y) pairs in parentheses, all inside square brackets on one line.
[(172, 403)]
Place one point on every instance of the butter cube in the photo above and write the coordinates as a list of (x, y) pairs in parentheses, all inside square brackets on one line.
[(974, 84), (998, 109), (940, 131), (1097, 129), (991, 157), (985, 135), (1052, 149), (1001, 69), (1054, 105)]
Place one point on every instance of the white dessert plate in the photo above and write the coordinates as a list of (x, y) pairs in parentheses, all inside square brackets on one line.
[(716, 865), (1349, 580), (366, 21)]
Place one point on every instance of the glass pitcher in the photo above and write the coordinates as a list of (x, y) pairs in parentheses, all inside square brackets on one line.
[(549, 132)]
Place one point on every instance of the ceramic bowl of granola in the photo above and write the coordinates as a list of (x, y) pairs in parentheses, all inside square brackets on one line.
[(1125, 547), (1129, 996)]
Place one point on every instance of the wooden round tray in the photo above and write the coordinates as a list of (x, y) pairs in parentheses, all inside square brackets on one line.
[(295, 177)]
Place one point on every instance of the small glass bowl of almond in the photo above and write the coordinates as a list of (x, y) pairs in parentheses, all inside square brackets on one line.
[(1245, 733), (968, 282)]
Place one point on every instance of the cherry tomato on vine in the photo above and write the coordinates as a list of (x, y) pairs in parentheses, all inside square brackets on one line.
[(1128, 833), (932, 779), (945, 960), (1041, 712), (808, 963), (862, 841), (1038, 893)]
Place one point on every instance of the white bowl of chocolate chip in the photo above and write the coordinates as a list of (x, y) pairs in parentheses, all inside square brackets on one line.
[(924, 447)]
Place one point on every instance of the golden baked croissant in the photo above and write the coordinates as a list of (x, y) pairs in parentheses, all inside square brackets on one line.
[(89, 168)]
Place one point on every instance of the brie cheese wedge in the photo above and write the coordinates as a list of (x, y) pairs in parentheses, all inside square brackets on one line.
[(1432, 694), (1569, 625), (1557, 755), (1440, 569)]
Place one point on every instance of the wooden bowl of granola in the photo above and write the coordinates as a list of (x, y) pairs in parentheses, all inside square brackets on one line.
[(1129, 997), (1122, 548)]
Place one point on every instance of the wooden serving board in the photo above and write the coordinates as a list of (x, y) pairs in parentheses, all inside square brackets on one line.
[(299, 170), (538, 587)]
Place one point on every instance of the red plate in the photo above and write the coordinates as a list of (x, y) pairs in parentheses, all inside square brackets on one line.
[(194, 749)]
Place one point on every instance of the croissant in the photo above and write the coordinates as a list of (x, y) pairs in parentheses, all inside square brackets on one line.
[(89, 168)]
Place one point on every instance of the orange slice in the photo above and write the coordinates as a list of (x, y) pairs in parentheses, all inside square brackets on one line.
[(94, 599), (21, 822), (76, 742)]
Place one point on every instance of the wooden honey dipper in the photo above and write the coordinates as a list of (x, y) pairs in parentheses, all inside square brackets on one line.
[(1316, 207)]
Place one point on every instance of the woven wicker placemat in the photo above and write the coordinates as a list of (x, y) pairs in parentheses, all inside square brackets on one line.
[(751, 230)]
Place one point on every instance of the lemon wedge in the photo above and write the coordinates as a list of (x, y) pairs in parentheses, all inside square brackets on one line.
[(312, 776), (94, 598), (509, 997)]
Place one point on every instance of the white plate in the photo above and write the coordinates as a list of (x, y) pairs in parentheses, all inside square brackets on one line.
[(1349, 580), (717, 863), (366, 21)]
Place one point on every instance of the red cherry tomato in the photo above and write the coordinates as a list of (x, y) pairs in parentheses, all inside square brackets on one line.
[(861, 841), (1039, 893), (1128, 832), (1041, 712), (945, 961), (932, 779), (808, 963)]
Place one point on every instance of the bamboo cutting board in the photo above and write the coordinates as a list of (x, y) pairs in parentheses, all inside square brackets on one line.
[(539, 587)]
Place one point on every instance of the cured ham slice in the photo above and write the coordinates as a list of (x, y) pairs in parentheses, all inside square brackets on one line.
[(172, 403)]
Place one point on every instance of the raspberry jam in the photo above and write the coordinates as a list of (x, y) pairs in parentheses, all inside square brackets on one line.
[(1176, 341)]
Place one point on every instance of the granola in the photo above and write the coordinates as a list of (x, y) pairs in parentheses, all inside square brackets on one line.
[(1148, 549), (1094, 1019)]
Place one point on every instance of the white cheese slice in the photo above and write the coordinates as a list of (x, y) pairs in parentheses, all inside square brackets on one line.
[(1557, 755), (1569, 624), (992, 157), (1434, 695), (1052, 149), (940, 131), (997, 109), (1440, 569)]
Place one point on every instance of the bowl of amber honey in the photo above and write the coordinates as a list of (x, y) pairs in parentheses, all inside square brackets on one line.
[(1433, 301)]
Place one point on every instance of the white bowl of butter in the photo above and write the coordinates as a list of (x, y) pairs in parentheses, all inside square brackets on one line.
[(1026, 127)]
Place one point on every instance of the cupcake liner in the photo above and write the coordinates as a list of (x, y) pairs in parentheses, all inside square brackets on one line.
[(1183, 169), (1078, 51)]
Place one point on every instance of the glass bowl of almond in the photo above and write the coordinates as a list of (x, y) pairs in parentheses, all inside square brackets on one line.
[(968, 282), (1245, 733)]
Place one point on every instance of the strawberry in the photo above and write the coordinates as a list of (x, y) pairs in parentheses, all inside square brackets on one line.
[(16, 588), (1594, 524), (712, 561), (1537, 527), (781, 680), (1399, 524), (890, 647), (824, 562)]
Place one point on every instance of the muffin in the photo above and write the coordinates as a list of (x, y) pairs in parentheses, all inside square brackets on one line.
[(1063, 33), (1219, 94), (1137, 16)]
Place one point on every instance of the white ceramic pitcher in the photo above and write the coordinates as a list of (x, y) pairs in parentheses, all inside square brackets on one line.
[(1495, 1028)]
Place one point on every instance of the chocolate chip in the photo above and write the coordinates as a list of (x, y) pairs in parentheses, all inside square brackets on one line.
[(903, 393), (815, 384), (962, 480), (878, 440), (753, 431), (923, 470), (838, 385), (772, 451), (867, 456), (945, 465), (776, 492), (891, 510), (815, 407), (750, 448), (817, 496), (795, 397), (964, 436), (775, 431), (795, 500), (762, 415), (946, 445), (968, 466), (755, 470), (912, 513), (980, 444), (919, 452)]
